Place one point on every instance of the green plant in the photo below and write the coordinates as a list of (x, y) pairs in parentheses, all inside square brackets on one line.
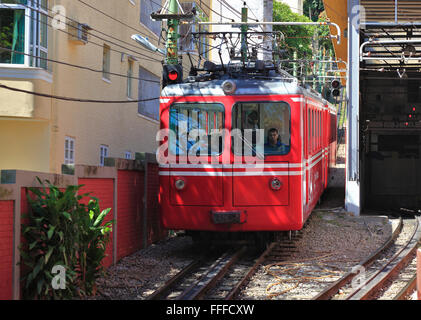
[(62, 231), (93, 238), (50, 235)]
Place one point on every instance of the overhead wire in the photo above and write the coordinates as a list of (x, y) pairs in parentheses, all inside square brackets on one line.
[(75, 65), (103, 33), (88, 41), (95, 70), (115, 19), (45, 95)]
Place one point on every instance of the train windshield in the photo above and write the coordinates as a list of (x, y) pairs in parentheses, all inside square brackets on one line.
[(196, 129), (262, 128)]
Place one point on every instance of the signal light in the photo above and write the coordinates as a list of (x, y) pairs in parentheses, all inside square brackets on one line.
[(336, 92), (172, 73), (335, 87), (335, 84)]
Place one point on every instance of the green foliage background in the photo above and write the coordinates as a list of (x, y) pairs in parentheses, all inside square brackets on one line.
[(300, 38)]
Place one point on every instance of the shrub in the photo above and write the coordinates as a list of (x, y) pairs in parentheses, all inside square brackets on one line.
[(61, 231)]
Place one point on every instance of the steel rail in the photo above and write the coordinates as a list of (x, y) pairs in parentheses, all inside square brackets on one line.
[(218, 269), (394, 265), (410, 287), (234, 292), (330, 291), (162, 291)]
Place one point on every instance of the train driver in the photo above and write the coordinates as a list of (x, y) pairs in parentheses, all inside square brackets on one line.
[(274, 144)]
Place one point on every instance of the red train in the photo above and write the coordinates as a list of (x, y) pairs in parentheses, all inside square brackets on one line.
[(245, 153)]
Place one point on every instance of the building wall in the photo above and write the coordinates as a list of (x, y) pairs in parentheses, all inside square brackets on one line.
[(119, 126), (24, 144), (295, 5)]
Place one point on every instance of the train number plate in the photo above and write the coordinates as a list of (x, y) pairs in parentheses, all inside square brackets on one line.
[(226, 217)]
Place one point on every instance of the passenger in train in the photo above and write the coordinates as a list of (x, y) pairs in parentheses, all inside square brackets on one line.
[(274, 144), (252, 121)]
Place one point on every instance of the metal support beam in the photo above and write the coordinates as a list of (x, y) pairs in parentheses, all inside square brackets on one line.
[(352, 183), (283, 23)]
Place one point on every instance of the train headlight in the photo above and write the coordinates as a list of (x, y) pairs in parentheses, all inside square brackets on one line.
[(180, 184), (275, 184), (229, 86)]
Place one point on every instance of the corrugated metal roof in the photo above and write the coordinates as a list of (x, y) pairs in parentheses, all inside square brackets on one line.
[(398, 11)]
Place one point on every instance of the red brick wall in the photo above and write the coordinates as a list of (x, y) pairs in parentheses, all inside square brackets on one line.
[(103, 189), (6, 249), (130, 194), (24, 209), (155, 230), (130, 212)]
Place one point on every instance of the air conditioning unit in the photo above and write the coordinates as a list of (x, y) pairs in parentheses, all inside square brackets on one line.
[(78, 32)]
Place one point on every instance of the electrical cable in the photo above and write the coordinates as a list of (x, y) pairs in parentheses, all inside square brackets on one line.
[(76, 66), (111, 17), (88, 41), (73, 99), (101, 32)]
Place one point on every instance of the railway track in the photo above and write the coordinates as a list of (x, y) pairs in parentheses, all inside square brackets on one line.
[(192, 282), (222, 278), (225, 276), (371, 277)]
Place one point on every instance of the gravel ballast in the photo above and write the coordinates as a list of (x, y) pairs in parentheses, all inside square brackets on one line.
[(330, 245)]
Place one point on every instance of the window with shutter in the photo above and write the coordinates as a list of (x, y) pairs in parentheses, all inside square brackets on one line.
[(149, 88)]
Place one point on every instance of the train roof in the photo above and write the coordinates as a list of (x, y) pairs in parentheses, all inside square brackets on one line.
[(245, 86)]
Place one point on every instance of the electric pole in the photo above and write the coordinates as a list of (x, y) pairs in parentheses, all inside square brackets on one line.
[(267, 39), (244, 28)]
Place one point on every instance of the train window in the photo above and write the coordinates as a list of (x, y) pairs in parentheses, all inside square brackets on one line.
[(312, 130), (196, 129), (318, 129), (315, 130), (309, 130), (332, 128), (264, 128), (321, 129)]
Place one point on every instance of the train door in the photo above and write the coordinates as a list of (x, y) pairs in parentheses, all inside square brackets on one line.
[(260, 148)]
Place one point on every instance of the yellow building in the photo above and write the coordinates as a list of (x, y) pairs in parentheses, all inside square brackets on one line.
[(90, 57)]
